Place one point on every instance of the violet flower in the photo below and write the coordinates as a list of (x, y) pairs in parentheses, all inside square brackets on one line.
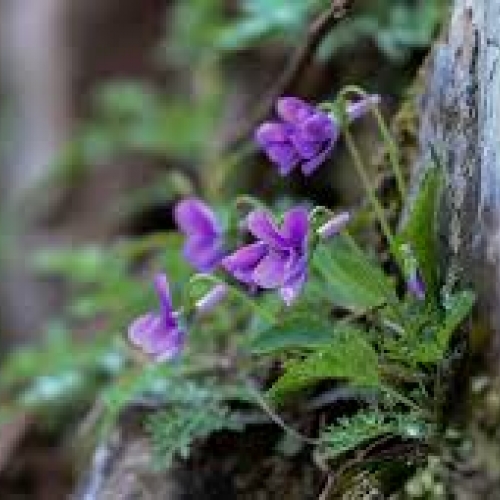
[(278, 259), (158, 334), (204, 246), (416, 286), (304, 135)]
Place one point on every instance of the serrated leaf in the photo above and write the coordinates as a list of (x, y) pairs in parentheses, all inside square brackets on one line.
[(458, 307), (298, 330), (349, 357), (347, 434), (353, 280), (174, 431), (419, 229)]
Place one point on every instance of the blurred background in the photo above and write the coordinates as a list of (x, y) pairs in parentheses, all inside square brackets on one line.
[(111, 110)]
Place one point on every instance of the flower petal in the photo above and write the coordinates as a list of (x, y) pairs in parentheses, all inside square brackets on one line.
[(170, 345), (156, 339), (293, 110), (284, 155), (142, 330), (202, 253), (193, 217), (242, 262), (271, 132), (296, 226), (310, 166), (319, 127), (262, 226), (163, 292), (306, 148), (295, 277), (291, 290), (270, 271)]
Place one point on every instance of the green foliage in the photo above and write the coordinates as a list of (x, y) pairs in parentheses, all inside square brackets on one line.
[(193, 411), (364, 427), (420, 231), (458, 307), (261, 19), (352, 280), (300, 330), (349, 357), (58, 377), (395, 27), (130, 115), (194, 27), (102, 278), (174, 431)]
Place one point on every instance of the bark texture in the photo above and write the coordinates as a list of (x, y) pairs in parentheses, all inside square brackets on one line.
[(461, 121)]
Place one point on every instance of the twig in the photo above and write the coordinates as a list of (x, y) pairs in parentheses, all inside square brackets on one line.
[(298, 62)]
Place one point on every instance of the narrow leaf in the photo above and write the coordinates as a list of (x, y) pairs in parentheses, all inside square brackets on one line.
[(419, 229)]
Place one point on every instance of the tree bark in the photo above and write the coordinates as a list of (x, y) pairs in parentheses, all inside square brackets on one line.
[(461, 121)]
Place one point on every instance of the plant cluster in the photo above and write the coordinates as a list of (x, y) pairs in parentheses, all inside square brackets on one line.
[(261, 309), (319, 305)]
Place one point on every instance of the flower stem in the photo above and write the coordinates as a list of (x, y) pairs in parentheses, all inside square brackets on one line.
[(392, 148), (379, 211)]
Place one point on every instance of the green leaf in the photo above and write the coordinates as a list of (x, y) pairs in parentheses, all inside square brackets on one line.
[(298, 330), (174, 431), (348, 434), (353, 281), (349, 357), (419, 229), (458, 307)]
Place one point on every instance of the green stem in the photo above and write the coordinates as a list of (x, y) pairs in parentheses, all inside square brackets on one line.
[(392, 148), (379, 211)]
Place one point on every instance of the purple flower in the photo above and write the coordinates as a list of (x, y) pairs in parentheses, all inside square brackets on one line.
[(416, 286), (304, 135), (158, 334), (278, 259), (204, 247)]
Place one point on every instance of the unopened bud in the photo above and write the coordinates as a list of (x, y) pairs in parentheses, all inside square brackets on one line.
[(212, 298), (334, 225)]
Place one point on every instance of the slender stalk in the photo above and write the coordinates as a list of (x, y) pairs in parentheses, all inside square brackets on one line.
[(392, 148), (379, 211)]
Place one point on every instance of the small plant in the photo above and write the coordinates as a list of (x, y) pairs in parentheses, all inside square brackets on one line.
[(265, 309), (314, 302)]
